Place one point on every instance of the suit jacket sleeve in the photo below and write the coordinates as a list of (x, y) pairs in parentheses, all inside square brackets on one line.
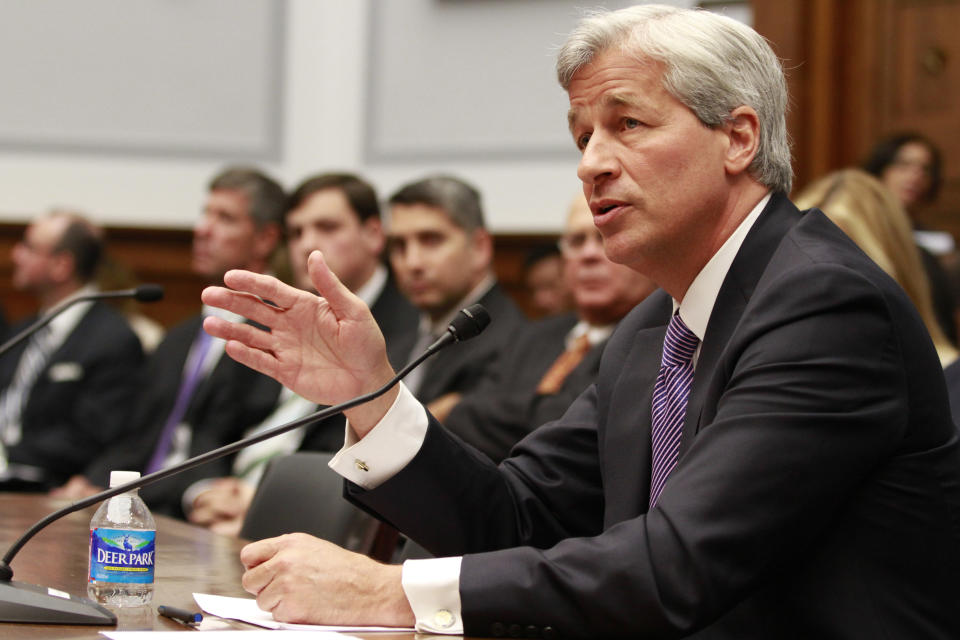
[(807, 401)]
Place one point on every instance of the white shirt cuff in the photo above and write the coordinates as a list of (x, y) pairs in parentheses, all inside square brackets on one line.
[(387, 448), (433, 589)]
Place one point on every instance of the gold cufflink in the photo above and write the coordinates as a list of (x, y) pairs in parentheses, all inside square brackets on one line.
[(361, 465)]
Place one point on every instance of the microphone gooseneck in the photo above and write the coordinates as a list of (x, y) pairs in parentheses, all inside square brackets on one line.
[(143, 293), (469, 323)]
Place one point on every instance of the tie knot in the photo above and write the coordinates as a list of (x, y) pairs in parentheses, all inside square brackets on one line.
[(679, 344)]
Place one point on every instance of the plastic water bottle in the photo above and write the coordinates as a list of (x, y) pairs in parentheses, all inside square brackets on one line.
[(122, 548)]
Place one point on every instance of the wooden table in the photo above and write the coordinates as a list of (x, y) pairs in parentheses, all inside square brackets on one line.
[(189, 559)]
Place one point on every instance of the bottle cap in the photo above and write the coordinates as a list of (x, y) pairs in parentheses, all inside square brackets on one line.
[(122, 477)]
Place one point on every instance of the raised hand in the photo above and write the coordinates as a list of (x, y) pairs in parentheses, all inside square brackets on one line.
[(325, 347)]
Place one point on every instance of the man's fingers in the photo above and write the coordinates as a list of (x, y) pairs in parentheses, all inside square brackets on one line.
[(260, 551), (241, 303), (337, 295), (263, 286), (238, 331), (256, 359)]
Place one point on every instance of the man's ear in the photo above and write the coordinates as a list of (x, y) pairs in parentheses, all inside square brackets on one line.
[(371, 230), (482, 243), (266, 240), (743, 133), (63, 267)]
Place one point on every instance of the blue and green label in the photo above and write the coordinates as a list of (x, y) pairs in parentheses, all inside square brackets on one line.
[(122, 555)]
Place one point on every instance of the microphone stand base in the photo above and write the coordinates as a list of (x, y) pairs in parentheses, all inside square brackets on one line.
[(22, 602)]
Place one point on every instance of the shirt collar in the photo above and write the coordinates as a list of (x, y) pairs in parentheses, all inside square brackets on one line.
[(595, 334), (371, 290), (702, 294)]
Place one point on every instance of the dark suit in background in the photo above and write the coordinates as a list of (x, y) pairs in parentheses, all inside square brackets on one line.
[(81, 400), (230, 399), (461, 368), (497, 414), (817, 492)]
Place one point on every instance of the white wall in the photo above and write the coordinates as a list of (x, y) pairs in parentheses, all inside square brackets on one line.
[(489, 110)]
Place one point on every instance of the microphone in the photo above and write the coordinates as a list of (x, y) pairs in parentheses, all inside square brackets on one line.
[(21, 602), (143, 293)]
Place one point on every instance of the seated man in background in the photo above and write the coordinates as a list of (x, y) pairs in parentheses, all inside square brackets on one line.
[(550, 362), (190, 398), (544, 281), (67, 390), (338, 214), (442, 256)]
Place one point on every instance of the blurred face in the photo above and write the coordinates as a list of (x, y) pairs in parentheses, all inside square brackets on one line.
[(548, 289), (326, 221), (909, 175), (225, 237), (653, 174), (36, 267), (603, 291), (436, 263)]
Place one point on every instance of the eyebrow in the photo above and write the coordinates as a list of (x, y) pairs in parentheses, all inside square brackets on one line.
[(618, 99)]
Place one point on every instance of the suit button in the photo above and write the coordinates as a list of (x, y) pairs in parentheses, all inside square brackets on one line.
[(497, 630), (515, 631), (549, 633), (532, 631)]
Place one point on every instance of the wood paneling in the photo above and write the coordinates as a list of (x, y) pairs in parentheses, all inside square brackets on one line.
[(162, 256), (859, 70)]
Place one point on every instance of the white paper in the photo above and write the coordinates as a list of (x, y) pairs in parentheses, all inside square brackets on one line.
[(235, 634), (246, 609)]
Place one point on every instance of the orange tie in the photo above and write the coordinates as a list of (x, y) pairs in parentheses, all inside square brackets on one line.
[(553, 379)]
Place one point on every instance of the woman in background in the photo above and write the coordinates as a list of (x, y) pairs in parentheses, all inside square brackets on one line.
[(873, 218)]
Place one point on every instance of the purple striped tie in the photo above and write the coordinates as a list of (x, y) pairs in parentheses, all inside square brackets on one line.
[(670, 402)]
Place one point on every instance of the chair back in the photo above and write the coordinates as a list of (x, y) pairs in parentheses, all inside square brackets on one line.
[(299, 492)]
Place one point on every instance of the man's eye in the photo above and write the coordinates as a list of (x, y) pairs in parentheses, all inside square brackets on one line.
[(582, 141), (631, 123)]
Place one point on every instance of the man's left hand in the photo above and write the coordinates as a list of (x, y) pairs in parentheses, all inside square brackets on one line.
[(303, 579)]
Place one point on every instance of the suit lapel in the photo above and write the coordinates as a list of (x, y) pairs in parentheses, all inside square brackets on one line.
[(735, 292)]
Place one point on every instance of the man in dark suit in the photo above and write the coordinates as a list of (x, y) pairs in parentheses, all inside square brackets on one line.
[(338, 214), (65, 393), (190, 399), (767, 452), (551, 361), (442, 255)]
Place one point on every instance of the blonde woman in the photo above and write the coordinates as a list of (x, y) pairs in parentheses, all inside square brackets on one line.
[(859, 204)]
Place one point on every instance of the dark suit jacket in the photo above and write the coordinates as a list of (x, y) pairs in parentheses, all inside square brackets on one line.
[(80, 402), (230, 399), (461, 367), (497, 414), (817, 494)]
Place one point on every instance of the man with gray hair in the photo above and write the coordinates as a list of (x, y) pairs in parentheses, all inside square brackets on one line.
[(767, 451)]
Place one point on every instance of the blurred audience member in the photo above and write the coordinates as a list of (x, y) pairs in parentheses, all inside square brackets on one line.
[(544, 281), (442, 256), (338, 214), (67, 390), (873, 218), (192, 397), (910, 166), (553, 360)]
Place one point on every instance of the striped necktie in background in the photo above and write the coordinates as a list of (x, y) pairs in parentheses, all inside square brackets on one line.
[(34, 359)]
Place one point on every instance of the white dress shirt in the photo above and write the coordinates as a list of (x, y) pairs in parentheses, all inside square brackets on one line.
[(433, 586)]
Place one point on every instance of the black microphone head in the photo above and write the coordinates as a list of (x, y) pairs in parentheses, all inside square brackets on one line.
[(469, 323), (148, 293)]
